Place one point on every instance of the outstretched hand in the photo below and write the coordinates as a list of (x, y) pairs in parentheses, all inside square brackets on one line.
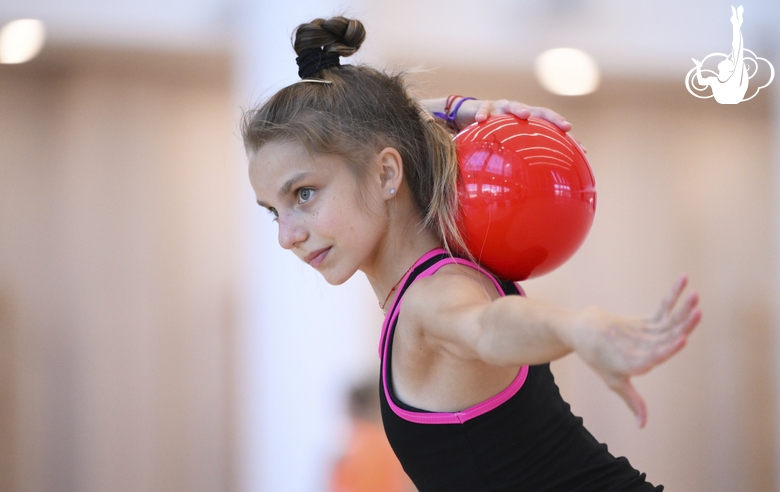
[(480, 110), (618, 348), (475, 110)]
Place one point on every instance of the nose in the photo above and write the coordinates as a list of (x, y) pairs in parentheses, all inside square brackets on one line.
[(290, 232)]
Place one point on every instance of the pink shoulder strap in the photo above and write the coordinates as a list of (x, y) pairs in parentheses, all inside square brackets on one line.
[(386, 338)]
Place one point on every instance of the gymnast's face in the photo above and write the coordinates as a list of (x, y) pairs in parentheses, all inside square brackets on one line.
[(323, 214)]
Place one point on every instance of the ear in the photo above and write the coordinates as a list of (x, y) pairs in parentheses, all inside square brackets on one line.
[(391, 171)]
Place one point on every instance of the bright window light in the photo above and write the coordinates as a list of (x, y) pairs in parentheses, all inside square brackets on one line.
[(567, 72), (21, 40)]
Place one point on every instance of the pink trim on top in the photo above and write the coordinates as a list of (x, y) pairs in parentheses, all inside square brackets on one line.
[(443, 417), (430, 254)]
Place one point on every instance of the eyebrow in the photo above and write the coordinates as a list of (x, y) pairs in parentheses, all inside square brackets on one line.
[(287, 186)]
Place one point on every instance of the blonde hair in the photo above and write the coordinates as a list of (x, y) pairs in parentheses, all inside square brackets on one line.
[(357, 113)]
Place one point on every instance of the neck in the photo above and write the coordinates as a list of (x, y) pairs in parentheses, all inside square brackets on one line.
[(403, 245)]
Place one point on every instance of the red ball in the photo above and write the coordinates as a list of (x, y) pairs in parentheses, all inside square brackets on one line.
[(527, 195)]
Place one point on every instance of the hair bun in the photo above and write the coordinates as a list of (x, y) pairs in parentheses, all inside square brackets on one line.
[(335, 35)]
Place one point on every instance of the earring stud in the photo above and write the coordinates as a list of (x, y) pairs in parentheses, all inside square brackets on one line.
[(392, 191)]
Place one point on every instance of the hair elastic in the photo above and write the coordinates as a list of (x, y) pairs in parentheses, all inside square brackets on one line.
[(450, 99), (450, 117), (312, 60)]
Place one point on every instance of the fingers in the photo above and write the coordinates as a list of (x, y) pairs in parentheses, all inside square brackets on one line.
[(551, 116), (670, 331), (682, 321), (691, 318), (686, 309), (668, 302), (485, 110), (503, 106), (664, 352), (522, 111), (633, 399), (565, 126), (513, 107), (683, 327), (674, 336), (493, 108)]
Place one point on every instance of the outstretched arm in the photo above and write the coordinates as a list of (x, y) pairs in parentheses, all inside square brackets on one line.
[(514, 331)]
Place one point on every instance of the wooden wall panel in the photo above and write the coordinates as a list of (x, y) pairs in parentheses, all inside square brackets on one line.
[(118, 259)]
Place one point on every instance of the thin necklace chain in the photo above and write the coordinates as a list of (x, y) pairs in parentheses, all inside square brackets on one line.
[(383, 304)]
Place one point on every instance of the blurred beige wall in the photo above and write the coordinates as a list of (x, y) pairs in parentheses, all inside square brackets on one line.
[(120, 271), (684, 185), (118, 284)]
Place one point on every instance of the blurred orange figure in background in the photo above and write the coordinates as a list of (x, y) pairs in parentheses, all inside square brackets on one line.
[(369, 463)]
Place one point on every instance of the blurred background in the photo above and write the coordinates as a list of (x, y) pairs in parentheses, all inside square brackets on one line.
[(155, 337)]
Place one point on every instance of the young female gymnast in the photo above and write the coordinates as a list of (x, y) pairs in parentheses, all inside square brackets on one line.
[(359, 176)]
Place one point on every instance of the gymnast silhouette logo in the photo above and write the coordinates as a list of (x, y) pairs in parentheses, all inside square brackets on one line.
[(730, 84)]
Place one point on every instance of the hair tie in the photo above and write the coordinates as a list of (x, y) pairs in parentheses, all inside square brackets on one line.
[(451, 117), (312, 60)]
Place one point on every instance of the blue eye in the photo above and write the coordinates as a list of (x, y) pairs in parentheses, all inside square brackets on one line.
[(305, 194)]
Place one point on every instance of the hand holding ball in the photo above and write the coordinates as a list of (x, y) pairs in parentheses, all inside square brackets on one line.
[(527, 195)]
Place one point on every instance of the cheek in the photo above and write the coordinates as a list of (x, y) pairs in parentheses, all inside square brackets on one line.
[(369, 212), (370, 205), (356, 215), (352, 222), (331, 218)]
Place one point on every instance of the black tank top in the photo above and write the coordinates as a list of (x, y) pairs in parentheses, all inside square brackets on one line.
[(530, 441)]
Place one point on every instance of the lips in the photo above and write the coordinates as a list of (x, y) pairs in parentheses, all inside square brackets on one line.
[(316, 258)]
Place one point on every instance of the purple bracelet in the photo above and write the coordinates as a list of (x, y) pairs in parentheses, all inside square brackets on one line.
[(450, 118)]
